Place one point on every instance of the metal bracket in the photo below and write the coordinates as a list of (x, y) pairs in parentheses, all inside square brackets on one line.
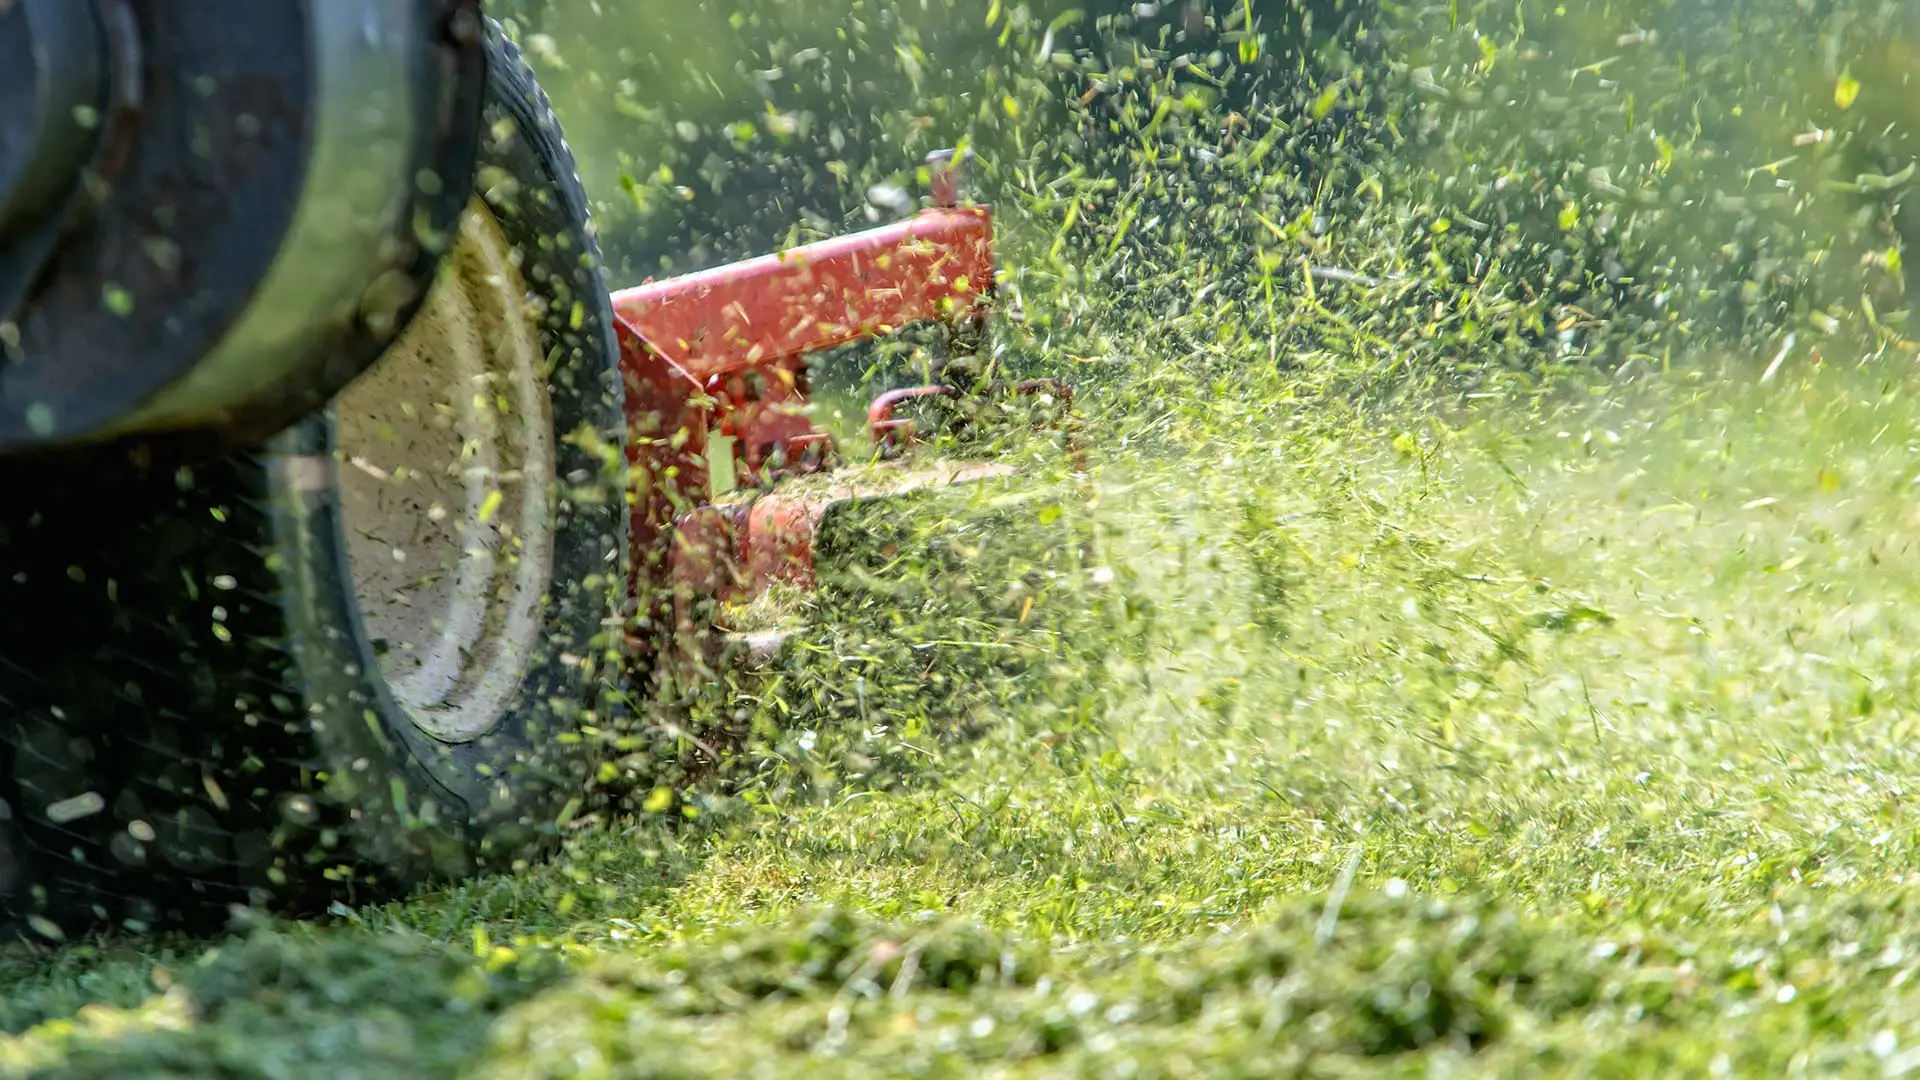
[(947, 176)]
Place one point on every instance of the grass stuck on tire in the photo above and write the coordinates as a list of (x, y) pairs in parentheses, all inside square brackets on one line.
[(356, 659)]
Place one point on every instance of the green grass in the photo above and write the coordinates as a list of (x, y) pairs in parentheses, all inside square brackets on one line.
[(1439, 710), (1562, 735)]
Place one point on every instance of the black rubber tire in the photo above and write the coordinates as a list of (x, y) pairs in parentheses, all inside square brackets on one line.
[(192, 714)]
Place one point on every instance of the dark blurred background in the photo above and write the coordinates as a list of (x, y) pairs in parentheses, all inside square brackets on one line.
[(711, 131), (1622, 177)]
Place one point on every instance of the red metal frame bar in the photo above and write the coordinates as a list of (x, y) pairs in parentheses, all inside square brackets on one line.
[(890, 432), (744, 331), (771, 311)]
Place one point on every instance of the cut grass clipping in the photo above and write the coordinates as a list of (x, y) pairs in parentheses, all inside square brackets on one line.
[(1499, 653)]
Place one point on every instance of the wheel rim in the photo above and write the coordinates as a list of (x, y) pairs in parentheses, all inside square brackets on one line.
[(446, 467)]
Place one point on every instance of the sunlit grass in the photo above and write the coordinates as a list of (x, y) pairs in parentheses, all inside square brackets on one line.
[(1570, 735)]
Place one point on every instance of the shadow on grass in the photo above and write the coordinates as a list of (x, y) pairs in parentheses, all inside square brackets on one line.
[(404, 989), (900, 660)]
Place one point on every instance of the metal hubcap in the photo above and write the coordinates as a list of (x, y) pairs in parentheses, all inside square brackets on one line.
[(446, 468)]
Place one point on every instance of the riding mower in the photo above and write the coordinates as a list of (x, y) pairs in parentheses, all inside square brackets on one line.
[(343, 507)]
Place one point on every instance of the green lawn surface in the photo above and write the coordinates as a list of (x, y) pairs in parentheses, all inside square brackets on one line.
[(1559, 734)]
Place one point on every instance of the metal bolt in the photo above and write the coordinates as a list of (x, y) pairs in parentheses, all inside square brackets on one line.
[(947, 175)]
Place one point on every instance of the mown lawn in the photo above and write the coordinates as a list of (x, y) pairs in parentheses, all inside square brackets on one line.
[(1559, 734)]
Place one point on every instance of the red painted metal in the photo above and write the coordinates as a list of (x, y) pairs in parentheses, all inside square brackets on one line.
[(668, 415), (732, 551), (764, 409), (723, 352), (892, 433), (745, 330), (777, 545), (773, 310)]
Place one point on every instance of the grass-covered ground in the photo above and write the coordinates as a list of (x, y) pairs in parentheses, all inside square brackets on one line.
[(1567, 733), (1542, 724)]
